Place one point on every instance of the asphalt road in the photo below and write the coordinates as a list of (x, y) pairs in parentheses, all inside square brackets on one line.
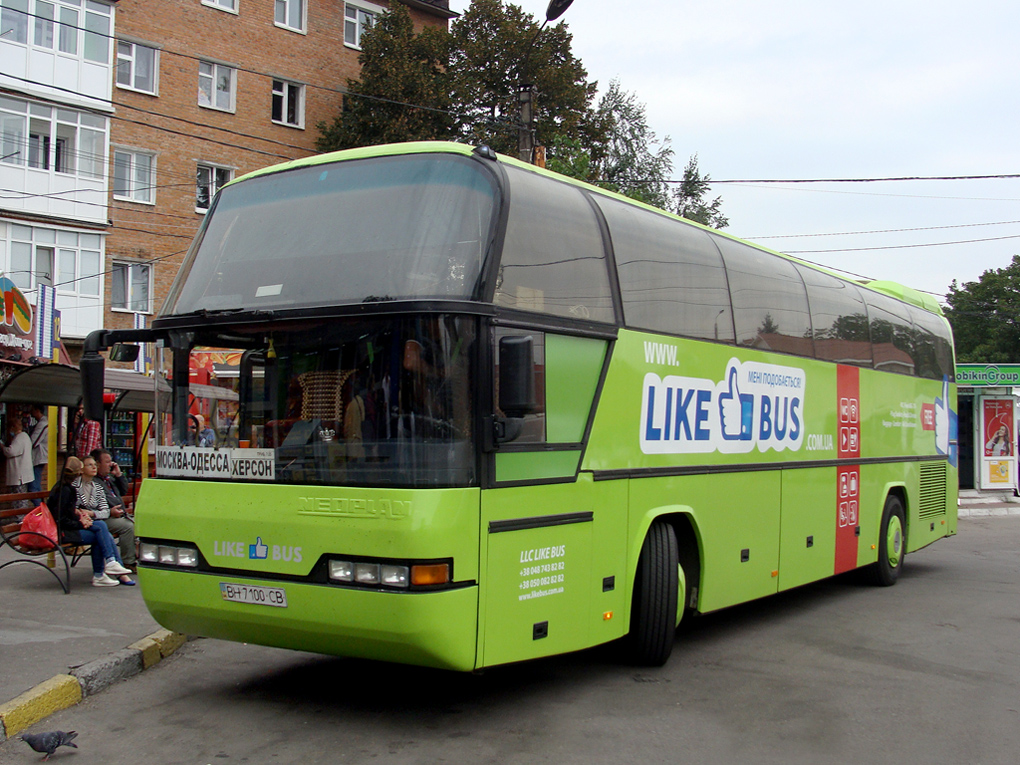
[(927, 671)]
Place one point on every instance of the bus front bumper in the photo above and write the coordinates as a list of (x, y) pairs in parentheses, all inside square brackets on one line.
[(428, 628)]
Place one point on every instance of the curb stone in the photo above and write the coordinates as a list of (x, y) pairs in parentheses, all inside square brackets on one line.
[(66, 690)]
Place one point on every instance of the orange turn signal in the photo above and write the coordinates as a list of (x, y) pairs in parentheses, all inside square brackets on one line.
[(432, 573), (607, 616)]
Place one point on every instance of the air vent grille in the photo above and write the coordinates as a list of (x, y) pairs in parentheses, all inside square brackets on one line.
[(933, 489)]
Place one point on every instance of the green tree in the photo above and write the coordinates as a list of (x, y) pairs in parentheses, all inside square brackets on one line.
[(403, 93), (689, 198), (497, 47), (985, 316), (633, 161)]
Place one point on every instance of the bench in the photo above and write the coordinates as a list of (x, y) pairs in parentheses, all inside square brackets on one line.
[(10, 536)]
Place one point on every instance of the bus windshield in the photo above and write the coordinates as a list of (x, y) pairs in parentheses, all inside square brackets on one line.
[(385, 228), (377, 402)]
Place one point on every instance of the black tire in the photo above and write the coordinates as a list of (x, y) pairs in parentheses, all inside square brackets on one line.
[(892, 544), (654, 607)]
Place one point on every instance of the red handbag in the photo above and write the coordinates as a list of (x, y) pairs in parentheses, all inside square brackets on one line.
[(40, 521)]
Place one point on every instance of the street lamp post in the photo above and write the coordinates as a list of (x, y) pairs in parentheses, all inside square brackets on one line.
[(527, 92)]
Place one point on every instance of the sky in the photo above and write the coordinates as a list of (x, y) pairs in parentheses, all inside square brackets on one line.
[(798, 89)]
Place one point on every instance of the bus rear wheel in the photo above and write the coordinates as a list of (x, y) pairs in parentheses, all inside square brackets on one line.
[(892, 544), (654, 607)]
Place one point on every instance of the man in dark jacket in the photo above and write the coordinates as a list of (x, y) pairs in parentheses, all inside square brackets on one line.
[(116, 486)]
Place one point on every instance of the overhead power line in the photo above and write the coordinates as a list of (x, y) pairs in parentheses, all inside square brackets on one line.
[(904, 246), (866, 180), (885, 230)]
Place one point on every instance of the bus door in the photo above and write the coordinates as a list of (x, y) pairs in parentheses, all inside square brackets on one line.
[(539, 521)]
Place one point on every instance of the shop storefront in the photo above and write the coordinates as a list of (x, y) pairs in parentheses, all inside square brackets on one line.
[(989, 412)]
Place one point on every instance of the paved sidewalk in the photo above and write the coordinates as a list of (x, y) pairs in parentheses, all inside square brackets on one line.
[(45, 634), (974, 504), (57, 648)]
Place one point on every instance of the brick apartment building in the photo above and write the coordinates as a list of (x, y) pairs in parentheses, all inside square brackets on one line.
[(207, 90), (119, 120)]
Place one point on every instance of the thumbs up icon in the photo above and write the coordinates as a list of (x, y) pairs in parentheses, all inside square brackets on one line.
[(736, 411), (258, 551), (946, 425)]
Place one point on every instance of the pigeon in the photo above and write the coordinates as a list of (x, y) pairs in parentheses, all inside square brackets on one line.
[(49, 741)]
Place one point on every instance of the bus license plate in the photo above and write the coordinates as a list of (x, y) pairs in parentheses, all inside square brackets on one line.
[(261, 596)]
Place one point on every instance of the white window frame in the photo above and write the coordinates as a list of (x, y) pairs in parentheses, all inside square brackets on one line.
[(129, 60), (289, 6), (230, 6), (128, 269), (284, 89), (139, 190), (359, 26), (74, 142), (213, 184), (65, 26), (213, 78), (62, 243)]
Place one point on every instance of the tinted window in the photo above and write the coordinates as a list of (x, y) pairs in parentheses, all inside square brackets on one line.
[(671, 275), (892, 341), (346, 232), (770, 307), (553, 257), (933, 346), (839, 319)]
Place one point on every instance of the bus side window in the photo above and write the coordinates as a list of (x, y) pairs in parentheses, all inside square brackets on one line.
[(534, 422), (839, 318), (933, 350), (770, 308), (671, 275), (891, 335), (553, 258)]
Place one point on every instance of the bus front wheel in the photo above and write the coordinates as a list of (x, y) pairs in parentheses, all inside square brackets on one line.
[(654, 608), (892, 544)]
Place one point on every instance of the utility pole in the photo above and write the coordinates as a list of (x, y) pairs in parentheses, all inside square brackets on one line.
[(527, 95)]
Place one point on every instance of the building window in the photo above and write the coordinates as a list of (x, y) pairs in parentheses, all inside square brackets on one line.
[(357, 19), (66, 260), (137, 67), (14, 20), (291, 14), (97, 32), (62, 141), (134, 176), (130, 287), (215, 86), (56, 24), (288, 101), (223, 5), (210, 179)]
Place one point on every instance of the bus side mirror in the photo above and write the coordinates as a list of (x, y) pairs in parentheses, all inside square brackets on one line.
[(124, 352), (517, 376), (92, 367)]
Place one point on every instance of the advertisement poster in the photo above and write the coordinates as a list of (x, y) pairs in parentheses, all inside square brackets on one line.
[(998, 427), (999, 441)]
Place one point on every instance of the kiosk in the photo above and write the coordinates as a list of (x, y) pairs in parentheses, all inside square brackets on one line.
[(989, 410)]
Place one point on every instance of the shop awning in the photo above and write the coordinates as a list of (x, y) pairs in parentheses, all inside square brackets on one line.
[(60, 385)]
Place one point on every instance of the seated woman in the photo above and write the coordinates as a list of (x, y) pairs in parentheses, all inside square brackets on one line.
[(78, 526)]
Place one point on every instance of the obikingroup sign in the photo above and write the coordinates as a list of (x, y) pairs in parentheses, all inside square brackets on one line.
[(988, 374)]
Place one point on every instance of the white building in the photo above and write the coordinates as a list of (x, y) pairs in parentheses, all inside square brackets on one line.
[(56, 64)]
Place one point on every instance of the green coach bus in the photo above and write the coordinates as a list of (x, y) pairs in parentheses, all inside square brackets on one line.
[(459, 411)]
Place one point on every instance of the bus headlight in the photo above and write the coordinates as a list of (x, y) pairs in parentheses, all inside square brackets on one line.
[(341, 570), (393, 576), (366, 573), (168, 555), (373, 573), (148, 552)]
